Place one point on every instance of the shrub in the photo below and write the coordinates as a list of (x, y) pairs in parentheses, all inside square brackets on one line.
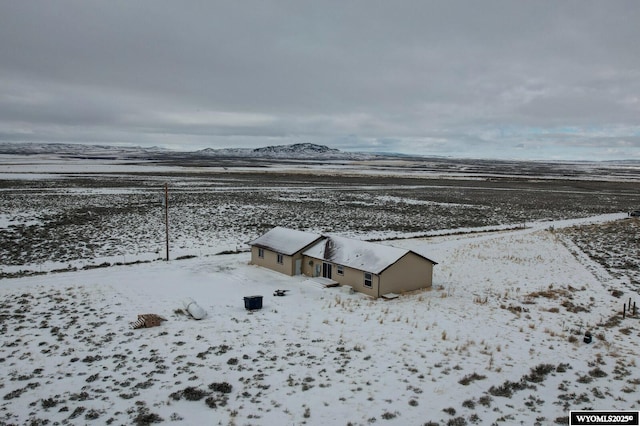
[(458, 421), (146, 418), (451, 411), (597, 372), (223, 387), (92, 414), (49, 403), (466, 380), (77, 412), (539, 373), (485, 401), (193, 394), (507, 388), (211, 402), (469, 403), (584, 379), (504, 390)]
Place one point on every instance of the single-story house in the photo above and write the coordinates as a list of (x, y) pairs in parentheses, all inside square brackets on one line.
[(374, 269), (281, 249)]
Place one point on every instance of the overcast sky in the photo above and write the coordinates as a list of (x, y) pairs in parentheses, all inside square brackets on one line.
[(539, 79)]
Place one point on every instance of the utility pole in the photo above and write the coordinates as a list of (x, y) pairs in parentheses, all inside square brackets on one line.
[(166, 215)]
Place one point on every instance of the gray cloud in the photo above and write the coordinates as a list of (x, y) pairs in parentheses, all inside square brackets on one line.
[(439, 77)]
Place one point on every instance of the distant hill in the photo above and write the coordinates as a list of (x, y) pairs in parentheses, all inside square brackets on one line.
[(306, 151), (309, 153), (298, 151), (72, 150)]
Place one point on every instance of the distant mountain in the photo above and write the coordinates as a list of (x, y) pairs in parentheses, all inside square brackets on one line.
[(298, 151), (306, 151), (79, 150)]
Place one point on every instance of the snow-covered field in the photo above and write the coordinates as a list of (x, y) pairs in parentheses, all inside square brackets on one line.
[(498, 340), (116, 216)]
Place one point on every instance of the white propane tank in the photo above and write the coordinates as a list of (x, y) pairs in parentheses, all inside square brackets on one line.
[(194, 309)]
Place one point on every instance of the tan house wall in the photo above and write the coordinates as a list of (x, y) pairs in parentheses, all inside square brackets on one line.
[(307, 269), (270, 261), (410, 272), (351, 277)]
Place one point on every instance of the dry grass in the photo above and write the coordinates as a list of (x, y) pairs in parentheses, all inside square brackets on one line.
[(613, 245)]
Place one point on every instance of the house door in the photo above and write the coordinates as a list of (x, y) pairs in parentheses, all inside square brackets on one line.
[(326, 270), (298, 266)]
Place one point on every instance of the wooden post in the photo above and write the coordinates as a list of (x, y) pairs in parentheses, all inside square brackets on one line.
[(634, 309), (166, 216), (624, 311)]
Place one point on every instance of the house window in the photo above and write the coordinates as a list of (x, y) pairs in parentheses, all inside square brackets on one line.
[(368, 280), (261, 253), (340, 269), (280, 259)]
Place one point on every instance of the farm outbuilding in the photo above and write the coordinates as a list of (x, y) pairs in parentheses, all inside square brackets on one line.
[(370, 268)]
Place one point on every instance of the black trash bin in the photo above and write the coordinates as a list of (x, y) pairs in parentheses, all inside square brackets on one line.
[(587, 337), (252, 302)]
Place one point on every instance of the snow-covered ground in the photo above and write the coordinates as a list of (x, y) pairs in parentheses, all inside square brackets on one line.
[(499, 339)]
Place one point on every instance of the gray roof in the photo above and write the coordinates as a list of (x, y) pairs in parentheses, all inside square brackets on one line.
[(361, 255), (285, 241)]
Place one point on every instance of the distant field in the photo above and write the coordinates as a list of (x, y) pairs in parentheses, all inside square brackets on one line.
[(614, 245), (91, 216)]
